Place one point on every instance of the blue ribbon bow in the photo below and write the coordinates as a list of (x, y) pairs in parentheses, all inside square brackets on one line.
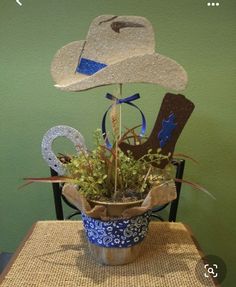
[(127, 101)]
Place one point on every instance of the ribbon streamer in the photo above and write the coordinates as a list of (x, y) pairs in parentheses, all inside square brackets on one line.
[(127, 101)]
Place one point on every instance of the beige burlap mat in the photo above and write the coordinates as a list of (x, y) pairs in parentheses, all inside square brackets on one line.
[(56, 254)]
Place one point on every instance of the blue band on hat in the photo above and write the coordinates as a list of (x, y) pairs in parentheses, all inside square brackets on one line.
[(116, 232), (168, 127), (89, 67), (128, 101)]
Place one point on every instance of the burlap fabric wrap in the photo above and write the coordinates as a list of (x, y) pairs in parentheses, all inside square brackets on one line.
[(158, 195)]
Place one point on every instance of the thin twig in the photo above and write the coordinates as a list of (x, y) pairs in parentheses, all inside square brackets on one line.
[(120, 110), (117, 139), (196, 185), (146, 176)]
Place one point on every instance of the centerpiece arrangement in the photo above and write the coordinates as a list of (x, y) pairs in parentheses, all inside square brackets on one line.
[(117, 184), (114, 190)]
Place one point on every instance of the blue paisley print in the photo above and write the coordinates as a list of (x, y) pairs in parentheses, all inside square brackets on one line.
[(116, 232)]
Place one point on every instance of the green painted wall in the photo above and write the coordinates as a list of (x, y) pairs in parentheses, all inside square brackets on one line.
[(201, 38)]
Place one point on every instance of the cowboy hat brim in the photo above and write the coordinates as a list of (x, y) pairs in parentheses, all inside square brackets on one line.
[(147, 68)]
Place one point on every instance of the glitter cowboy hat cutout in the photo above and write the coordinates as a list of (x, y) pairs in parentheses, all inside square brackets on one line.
[(118, 49)]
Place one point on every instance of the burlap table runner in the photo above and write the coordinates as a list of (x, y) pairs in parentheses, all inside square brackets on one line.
[(56, 254)]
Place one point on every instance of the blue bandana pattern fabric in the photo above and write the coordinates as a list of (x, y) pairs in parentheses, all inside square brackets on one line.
[(116, 232)]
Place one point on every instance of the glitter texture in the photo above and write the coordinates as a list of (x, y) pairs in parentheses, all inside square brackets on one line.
[(89, 67), (60, 131), (129, 55)]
